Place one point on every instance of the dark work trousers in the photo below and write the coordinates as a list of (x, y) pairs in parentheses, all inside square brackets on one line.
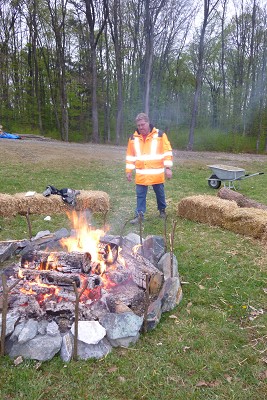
[(141, 193)]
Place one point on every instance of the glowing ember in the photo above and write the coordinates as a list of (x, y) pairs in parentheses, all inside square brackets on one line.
[(48, 275)]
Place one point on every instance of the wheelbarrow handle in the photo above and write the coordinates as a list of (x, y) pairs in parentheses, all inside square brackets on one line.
[(249, 175)]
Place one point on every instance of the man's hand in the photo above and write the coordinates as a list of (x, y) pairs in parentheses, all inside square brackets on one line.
[(168, 173), (129, 176)]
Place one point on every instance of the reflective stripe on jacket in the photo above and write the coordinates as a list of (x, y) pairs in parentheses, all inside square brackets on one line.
[(149, 157)]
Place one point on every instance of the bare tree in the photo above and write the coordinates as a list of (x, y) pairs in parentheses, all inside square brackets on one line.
[(208, 10), (8, 17), (58, 19), (152, 11), (90, 12), (115, 22)]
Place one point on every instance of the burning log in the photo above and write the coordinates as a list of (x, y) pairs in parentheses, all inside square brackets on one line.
[(141, 267), (52, 277), (59, 261), (60, 279), (70, 262)]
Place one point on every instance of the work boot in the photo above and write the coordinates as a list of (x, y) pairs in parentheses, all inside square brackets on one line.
[(162, 213), (137, 219)]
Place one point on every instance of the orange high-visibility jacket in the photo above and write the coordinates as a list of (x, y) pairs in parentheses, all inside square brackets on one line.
[(149, 157)]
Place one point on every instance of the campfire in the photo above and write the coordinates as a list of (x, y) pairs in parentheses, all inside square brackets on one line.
[(88, 279)]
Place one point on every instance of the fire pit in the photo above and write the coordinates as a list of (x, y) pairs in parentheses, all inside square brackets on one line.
[(94, 291)]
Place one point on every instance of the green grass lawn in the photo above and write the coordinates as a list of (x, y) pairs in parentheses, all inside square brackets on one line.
[(212, 346)]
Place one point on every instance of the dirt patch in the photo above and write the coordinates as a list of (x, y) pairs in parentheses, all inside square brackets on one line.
[(51, 152)]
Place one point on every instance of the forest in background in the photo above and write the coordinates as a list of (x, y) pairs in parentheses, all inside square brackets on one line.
[(80, 70)]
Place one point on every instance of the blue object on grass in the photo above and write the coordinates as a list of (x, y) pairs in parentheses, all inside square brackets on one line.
[(6, 135)]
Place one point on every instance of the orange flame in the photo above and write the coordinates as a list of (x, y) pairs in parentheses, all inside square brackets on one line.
[(136, 248), (86, 240)]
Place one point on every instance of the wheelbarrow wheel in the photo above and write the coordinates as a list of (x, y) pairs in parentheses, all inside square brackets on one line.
[(214, 182)]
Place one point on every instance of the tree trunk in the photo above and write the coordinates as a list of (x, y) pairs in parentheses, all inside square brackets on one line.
[(94, 38), (240, 199), (58, 26), (208, 8)]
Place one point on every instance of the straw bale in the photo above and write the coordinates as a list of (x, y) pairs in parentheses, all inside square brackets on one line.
[(95, 201), (39, 204), (8, 205), (225, 214), (206, 209), (248, 221)]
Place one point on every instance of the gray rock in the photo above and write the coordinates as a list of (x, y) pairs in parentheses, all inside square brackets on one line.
[(52, 328), (11, 319), (132, 239), (41, 348), (66, 350), (153, 248), (61, 233), (42, 325), (124, 342), (41, 234), (7, 250), (164, 265), (169, 293), (16, 332), (154, 314), (121, 325), (111, 239), (28, 332), (99, 350)]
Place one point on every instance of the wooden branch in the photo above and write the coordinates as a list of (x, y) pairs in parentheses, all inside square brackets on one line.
[(140, 220), (146, 303), (105, 219), (174, 223), (6, 290), (165, 234), (121, 232), (76, 321), (29, 222)]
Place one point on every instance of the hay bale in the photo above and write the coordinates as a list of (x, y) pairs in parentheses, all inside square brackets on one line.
[(95, 201), (8, 205), (248, 221), (225, 214), (206, 209), (39, 204)]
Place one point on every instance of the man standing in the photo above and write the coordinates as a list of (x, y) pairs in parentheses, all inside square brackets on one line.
[(149, 153)]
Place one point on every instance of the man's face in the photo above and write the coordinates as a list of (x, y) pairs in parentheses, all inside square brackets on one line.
[(143, 127)]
